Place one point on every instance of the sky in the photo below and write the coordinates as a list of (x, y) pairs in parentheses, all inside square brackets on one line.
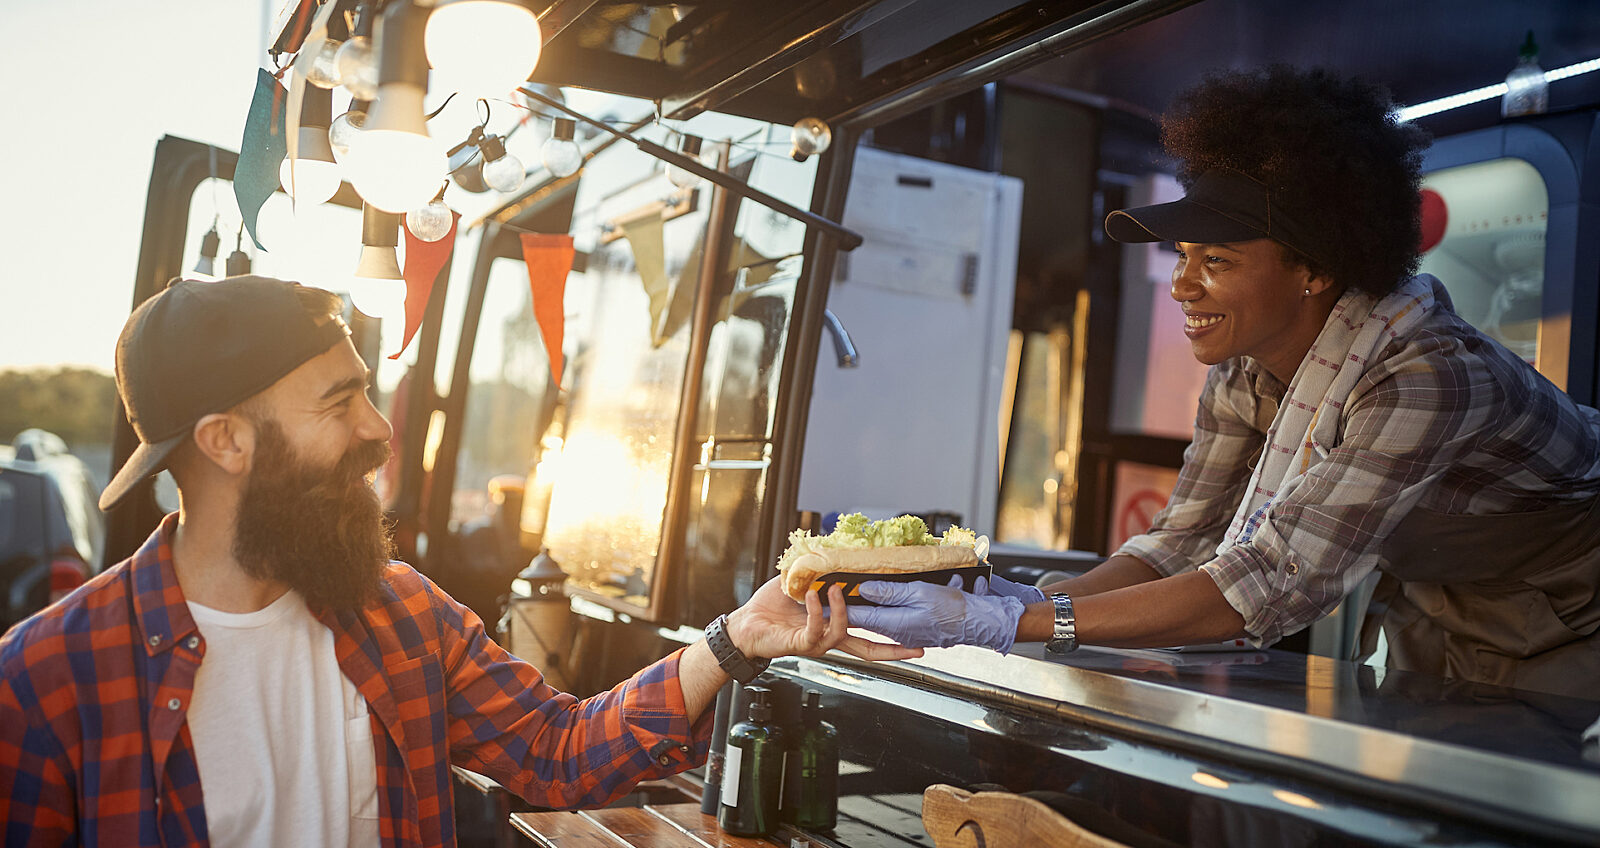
[(81, 132)]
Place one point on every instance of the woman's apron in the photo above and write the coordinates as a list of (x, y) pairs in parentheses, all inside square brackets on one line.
[(1511, 600)]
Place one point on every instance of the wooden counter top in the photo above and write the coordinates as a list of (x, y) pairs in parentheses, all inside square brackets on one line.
[(653, 826)]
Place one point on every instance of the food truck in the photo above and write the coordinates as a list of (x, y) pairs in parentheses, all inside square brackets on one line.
[(894, 296)]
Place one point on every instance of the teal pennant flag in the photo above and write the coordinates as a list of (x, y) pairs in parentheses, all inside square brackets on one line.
[(261, 151)]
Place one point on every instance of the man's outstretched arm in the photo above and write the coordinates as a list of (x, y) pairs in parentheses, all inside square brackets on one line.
[(771, 625), (559, 751)]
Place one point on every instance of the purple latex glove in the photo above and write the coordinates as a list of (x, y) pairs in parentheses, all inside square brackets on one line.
[(1001, 587), (926, 615)]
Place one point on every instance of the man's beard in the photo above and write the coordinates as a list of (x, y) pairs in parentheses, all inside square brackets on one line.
[(320, 531)]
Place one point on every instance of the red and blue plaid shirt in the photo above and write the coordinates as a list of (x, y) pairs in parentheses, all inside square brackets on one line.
[(94, 748)]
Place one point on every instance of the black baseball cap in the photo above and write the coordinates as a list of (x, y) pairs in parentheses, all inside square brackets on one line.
[(203, 347), (1222, 206)]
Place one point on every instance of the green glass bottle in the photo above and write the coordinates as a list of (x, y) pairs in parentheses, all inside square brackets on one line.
[(818, 805), (752, 773)]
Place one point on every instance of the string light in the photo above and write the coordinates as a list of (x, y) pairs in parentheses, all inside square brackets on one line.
[(324, 70), (345, 127), (357, 62), (378, 288), (689, 146), (238, 261), (809, 136), (483, 47), (431, 222), (210, 243), (312, 176), (560, 154), (501, 171), (392, 162), (358, 68)]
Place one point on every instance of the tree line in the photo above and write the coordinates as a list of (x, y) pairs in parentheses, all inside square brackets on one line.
[(77, 404)]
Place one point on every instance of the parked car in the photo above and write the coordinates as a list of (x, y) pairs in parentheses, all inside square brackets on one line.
[(51, 530)]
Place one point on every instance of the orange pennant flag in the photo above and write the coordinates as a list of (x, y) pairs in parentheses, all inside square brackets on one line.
[(424, 261), (549, 258)]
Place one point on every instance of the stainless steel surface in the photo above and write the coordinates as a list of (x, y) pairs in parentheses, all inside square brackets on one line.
[(1075, 31), (1453, 746)]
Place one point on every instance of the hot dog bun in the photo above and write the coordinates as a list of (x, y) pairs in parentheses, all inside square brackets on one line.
[(806, 568)]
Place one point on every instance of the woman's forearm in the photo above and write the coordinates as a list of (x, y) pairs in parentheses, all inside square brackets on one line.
[(1117, 572), (1185, 609)]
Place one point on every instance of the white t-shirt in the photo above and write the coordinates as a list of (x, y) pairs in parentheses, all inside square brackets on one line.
[(282, 737)]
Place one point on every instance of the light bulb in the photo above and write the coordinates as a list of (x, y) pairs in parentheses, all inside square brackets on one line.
[(678, 176), (483, 47), (393, 170), (468, 175), (392, 162), (312, 176), (383, 299), (810, 135), (431, 222), (313, 181), (561, 156), (505, 174), (345, 128), (209, 244), (238, 261), (324, 70), (378, 289), (681, 178), (358, 68)]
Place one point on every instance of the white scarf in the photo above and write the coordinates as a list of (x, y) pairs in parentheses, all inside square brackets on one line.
[(1307, 425)]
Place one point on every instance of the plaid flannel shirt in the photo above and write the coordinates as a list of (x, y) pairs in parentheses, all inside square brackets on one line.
[(94, 749), (1445, 420)]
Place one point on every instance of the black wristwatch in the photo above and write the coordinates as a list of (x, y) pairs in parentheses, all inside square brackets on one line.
[(733, 661), (1064, 638)]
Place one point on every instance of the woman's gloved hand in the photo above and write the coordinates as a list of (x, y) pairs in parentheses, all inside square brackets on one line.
[(926, 615), (1001, 587)]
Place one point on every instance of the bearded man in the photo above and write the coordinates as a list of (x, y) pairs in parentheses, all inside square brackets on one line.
[(260, 673)]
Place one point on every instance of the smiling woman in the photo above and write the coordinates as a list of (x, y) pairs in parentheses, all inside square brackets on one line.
[(1351, 420)]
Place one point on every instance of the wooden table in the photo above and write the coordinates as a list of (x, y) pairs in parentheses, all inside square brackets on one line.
[(651, 826)]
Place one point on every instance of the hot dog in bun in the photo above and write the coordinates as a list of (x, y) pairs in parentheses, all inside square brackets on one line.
[(861, 546)]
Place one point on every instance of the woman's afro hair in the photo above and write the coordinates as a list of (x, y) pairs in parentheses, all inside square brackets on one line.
[(1330, 146)]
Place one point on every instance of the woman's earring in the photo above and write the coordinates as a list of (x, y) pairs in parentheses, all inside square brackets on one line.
[(1308, 291)]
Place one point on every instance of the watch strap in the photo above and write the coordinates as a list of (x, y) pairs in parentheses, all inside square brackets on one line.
[(733, 661), (1064, 637)]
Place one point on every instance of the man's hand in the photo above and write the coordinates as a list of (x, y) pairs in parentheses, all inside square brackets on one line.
[(772, 625), (933, 616)]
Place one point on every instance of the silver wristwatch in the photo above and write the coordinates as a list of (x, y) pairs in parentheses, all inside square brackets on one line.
[(1064, 638)]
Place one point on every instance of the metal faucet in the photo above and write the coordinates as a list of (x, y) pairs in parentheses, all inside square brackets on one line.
[(843, 348)]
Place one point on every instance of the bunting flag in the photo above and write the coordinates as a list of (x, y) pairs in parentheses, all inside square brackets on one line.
[(549, 259), (681, 302), (649, 259), (424, 261), (261, 151)]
